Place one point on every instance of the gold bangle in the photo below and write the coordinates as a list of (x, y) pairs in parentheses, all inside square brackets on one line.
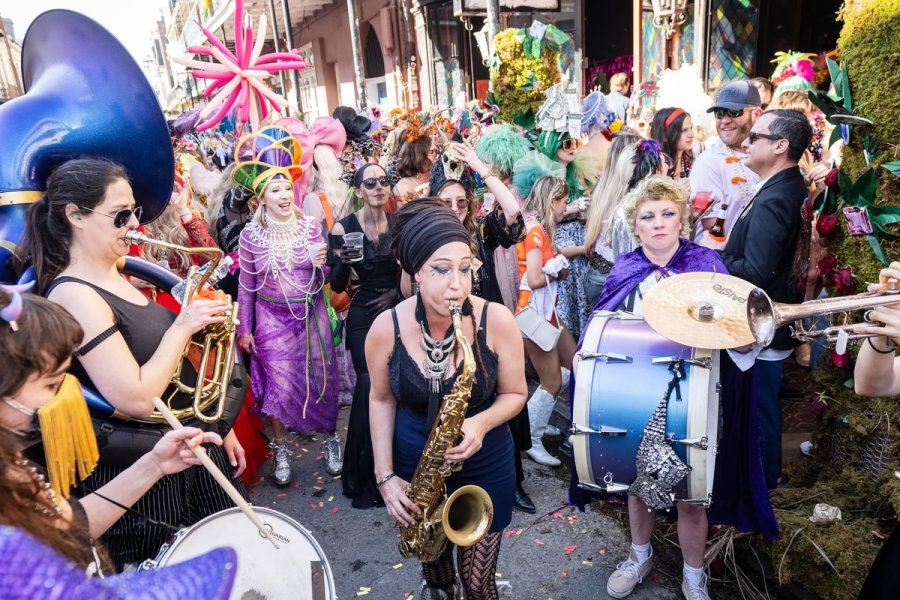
[(484, 178)]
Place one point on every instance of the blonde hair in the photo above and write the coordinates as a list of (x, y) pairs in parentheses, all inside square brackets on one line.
[(794, 100), (655, 188), (168, 228), (618, 82), (612, 186), (326, 177), (539, 199)]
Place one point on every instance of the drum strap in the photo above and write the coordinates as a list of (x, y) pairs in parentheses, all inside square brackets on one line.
[(149, 520)]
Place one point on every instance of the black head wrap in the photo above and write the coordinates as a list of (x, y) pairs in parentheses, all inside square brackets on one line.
[(422, 227)]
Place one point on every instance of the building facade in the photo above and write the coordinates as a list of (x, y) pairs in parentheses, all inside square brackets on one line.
[(10, 62)]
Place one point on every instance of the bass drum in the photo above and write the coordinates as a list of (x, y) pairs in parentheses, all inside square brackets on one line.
[(621, 373), (297, 569)]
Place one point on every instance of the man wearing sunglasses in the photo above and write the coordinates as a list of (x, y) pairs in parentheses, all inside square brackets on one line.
[(719, 175), (761, 249)]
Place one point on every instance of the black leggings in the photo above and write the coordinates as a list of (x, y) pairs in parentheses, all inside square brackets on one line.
[(477, 566)]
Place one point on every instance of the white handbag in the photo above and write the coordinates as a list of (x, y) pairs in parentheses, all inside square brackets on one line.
[(536, 328)]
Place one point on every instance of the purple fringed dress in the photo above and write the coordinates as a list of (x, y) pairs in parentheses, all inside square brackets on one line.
[(739, 493), (281, 303)]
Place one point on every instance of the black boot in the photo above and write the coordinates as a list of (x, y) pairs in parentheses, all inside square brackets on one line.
[(522, 501)]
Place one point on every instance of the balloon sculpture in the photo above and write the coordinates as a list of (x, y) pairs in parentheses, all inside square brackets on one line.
[(237, 78)]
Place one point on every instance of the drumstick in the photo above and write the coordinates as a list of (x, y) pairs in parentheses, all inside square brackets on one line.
[(206, 461)]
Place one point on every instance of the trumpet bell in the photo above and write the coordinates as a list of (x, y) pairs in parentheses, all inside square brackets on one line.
[(762, 315)]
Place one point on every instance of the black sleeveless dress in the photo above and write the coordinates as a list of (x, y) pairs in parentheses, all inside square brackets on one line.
[(492, 466)]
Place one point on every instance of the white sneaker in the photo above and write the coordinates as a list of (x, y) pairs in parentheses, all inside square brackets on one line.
[(628, 574), (806, 448), (695, 592), (539, 454)]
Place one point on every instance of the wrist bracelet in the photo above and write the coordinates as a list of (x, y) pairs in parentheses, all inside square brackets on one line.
[(888, 351), (384, 480), (489, 174)]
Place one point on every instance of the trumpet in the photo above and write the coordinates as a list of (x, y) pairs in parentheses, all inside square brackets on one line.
[(210, 350), (765, 316)]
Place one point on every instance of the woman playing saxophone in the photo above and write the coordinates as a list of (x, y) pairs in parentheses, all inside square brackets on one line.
[(410, 383)]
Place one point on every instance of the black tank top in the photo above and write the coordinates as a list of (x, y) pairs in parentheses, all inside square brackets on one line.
[(142, 327), (411, 389)]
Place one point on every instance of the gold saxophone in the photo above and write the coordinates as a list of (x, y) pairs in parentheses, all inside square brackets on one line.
[(210, 350), (464, 517)]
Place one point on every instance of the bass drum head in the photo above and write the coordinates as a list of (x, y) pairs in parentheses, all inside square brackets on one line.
[(298, 569)]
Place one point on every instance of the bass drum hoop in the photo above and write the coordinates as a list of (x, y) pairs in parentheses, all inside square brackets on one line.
[(321, 590)]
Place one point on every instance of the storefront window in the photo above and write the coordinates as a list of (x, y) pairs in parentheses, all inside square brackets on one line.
[(446, 42)]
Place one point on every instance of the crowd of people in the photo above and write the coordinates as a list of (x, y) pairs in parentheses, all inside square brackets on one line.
[(349, 239)]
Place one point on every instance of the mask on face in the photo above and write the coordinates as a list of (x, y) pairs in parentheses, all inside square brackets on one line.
[(32, 435)]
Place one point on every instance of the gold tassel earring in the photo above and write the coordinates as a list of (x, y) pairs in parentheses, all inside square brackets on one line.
[(70, 445)]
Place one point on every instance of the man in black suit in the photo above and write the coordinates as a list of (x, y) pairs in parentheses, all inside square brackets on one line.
[(761, 250)]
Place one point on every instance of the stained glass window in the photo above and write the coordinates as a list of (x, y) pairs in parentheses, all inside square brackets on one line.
[(732, 39), (653, 47)]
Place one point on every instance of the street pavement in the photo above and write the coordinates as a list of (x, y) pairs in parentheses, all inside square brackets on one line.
[(557, 554)]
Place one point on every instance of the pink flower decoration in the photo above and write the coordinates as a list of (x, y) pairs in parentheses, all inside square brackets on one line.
[(237, 78)]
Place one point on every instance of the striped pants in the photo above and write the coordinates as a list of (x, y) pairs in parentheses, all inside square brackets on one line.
[(179, 500)]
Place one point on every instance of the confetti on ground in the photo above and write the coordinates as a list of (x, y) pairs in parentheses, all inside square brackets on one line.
[(602, 551), (330, 498), (570, 549), (334, 510), (398, 565), (556, 515), (538, 542), (321, 504), (587, 563), (312, 505), (565, 573), (498, 574), (320, 456), (305, 450)]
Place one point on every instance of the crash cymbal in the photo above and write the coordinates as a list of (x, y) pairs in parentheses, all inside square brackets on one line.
[(703, 310)]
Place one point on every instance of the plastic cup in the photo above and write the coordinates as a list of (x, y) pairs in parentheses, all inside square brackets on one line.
[(353, 246)]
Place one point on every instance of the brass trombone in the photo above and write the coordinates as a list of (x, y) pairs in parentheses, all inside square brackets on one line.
[(765, 316), (210, 350)]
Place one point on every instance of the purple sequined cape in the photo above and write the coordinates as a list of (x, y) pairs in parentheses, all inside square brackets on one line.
[(739, 492)]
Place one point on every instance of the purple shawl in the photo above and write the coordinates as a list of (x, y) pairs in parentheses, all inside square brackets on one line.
[(739, 493), (633, 267)]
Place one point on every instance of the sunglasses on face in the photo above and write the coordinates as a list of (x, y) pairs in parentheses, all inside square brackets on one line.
[(766, 136), (734, 113), (569, 145), (372, 182), (120, 218), (459, 204)]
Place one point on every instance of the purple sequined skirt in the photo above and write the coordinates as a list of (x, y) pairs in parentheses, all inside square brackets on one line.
[(294, 373)]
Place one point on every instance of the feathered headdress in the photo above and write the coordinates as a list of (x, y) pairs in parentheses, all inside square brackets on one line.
[(647, 159), (265, 155), (532, 167), (502, 146), (793, 71)]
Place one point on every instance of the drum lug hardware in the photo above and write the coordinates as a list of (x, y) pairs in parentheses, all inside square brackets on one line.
[(698, 442), (610, 357), (611, 486), (605, 430), (705, 363)]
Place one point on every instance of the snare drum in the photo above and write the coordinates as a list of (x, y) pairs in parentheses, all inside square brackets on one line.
[(621, 374), (297, 569)]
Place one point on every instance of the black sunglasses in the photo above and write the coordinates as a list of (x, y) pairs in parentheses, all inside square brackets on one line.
[(734, 113), (568, 145), (120, 218), (766, 136), (372, 182)]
